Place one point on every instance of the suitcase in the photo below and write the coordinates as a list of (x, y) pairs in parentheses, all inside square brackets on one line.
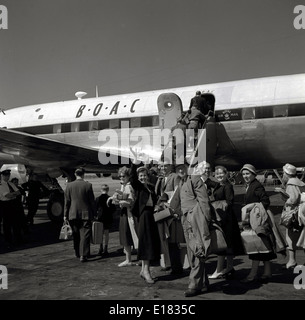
[(96, 234)]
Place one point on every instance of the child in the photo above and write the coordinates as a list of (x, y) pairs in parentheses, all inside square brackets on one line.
[(105, 215)]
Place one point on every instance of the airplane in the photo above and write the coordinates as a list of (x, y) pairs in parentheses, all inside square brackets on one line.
[(259, 121)]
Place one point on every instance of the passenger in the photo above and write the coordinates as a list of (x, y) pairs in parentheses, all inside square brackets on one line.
[(168, 180), (21, 215), (36, 190), (179, 135), (260, 225), (105, 216), (294, 187), (195, 220), (196, 122), (80, 210), (143, 209), (125, 198), (194, 100), (10, 206), (199, 102), (223, 195)]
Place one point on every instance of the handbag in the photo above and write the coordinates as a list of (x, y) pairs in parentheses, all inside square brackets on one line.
[(220, 207), (218, 241), (253, 243), (162, 215), (289, 219), (65, 231)]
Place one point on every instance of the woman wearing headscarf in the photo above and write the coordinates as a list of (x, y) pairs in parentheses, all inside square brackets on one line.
[(257, 235), (294, 234)]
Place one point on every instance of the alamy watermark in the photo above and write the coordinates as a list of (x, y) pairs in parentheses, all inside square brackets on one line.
[(3, 277), (142, 145), (299, 20), (3, 17), (299, 280)]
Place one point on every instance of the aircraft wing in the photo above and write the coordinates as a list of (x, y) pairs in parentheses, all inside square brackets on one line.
[(40, 151)]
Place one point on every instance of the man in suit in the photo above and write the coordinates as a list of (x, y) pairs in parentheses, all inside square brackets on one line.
[(196, 216), (79, 210)]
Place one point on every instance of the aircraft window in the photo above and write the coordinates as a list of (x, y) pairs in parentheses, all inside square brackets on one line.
[(66, 127), (114, 124), (57, 128), (83, 126), (75, 127), (155, 121), (125, 123), (280, 111), (135, 122), (93, 125), (296, 110), (264, 112), (103, 124), (146, 122), (248, 113)]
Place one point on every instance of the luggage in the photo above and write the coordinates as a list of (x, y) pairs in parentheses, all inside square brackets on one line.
[(96, 234)]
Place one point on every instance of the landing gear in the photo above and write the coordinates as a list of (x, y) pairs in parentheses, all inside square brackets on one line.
[(55, 207)]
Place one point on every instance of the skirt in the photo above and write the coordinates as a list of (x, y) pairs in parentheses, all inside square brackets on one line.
[(149, 241)]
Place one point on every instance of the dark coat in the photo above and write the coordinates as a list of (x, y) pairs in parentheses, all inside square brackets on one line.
[(79, 200), (229, 221), (149, 241), (257, 193)]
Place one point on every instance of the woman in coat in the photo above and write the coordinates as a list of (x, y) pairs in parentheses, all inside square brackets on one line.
[(294, 187), (223, 193), (143, 209), (256, 194), (125, 199)]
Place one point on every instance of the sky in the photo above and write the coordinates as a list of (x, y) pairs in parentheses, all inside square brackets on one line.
[(52, 49)]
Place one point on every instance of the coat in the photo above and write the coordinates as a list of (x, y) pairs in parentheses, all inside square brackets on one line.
[(197, 214), (79, 200), (256, 193)]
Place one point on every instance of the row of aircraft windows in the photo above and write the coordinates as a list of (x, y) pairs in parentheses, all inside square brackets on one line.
[(221, 115), (93, 125), (292, 110)]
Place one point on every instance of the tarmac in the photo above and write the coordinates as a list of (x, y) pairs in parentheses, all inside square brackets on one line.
[(45, 268)]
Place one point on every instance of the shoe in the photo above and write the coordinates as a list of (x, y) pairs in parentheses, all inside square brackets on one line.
[(105, 254), (229, 274), (249, 280), (192, 292), (291, 267), (216, 275), (125, 264), (264, 279), (175, 272), (165, 268), (147, 279), (83, 259)]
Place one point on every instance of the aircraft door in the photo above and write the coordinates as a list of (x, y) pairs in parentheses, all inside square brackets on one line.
[(170, 109)]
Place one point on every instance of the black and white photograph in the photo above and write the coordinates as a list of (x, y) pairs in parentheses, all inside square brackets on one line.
[(152, 153)]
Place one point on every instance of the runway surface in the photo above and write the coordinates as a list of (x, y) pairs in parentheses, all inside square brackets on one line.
[(45, 268)]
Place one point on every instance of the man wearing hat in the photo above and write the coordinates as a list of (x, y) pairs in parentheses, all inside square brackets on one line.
[(294, 186), (80, 211), (8, 197)]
